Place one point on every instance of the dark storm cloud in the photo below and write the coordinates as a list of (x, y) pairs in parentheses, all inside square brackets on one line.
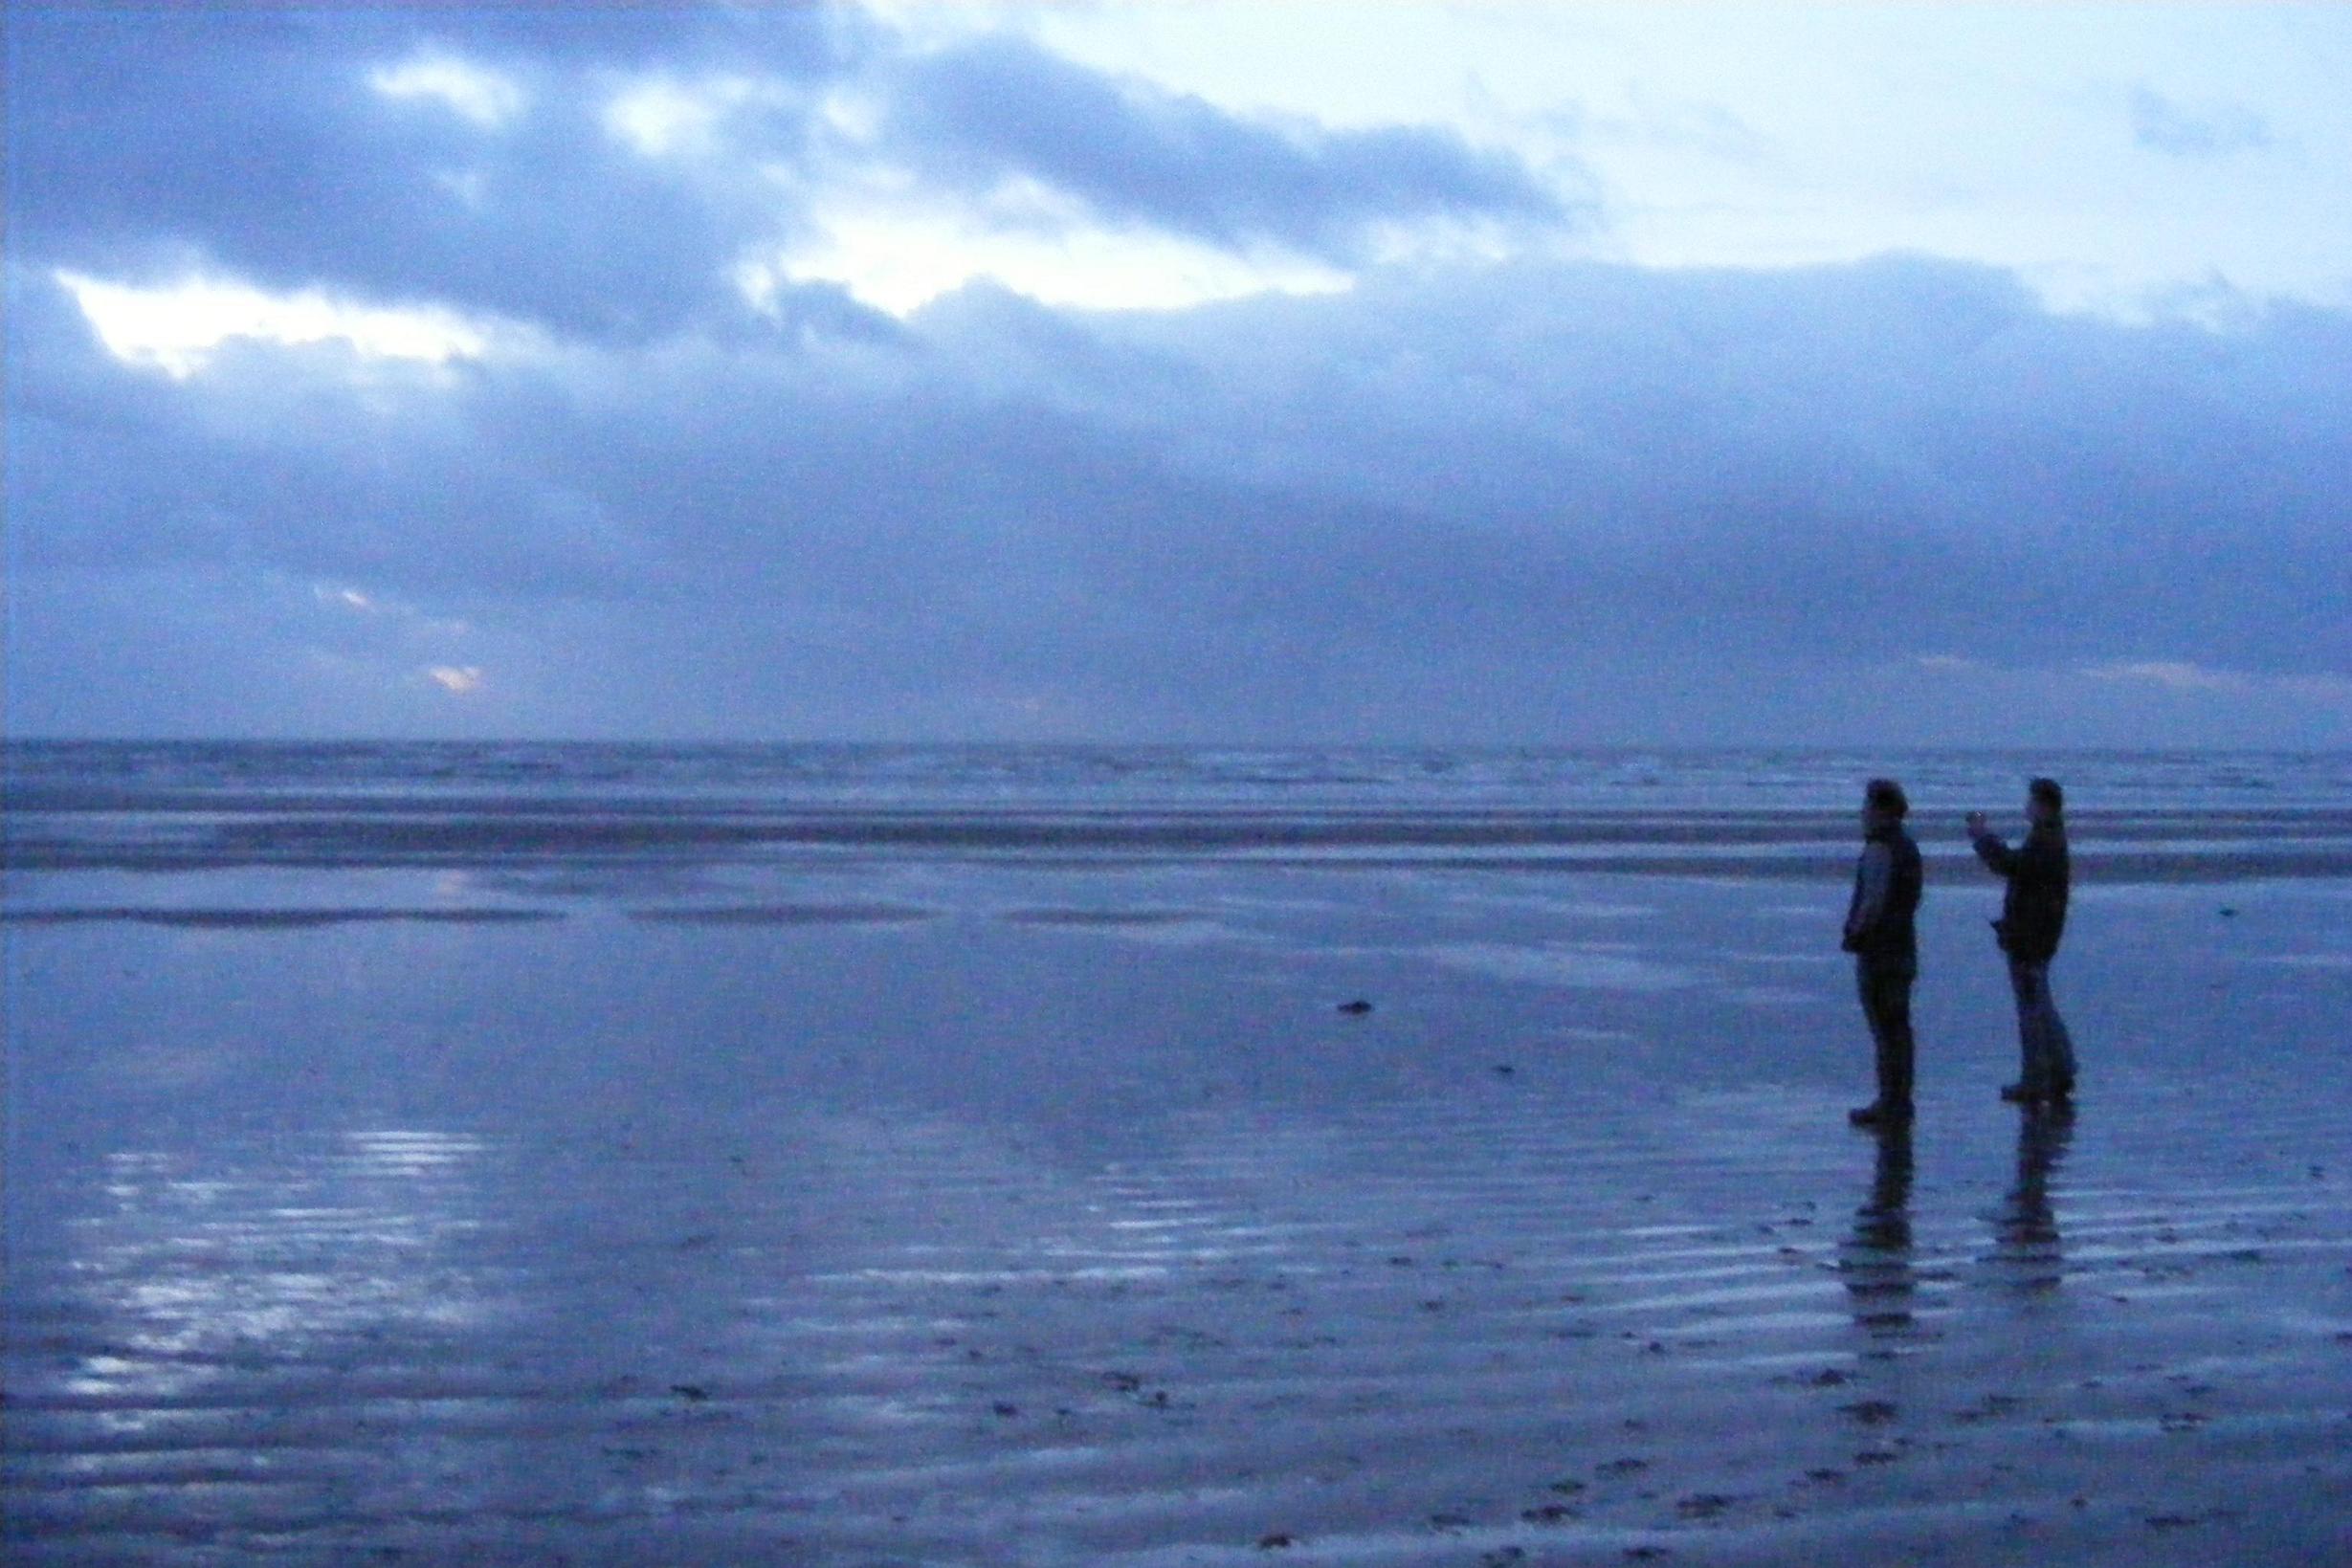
[(1535, 501), (1855, 464), (250, 139), (1001, 108), (1476, 506), (303, 463), (253, 142)]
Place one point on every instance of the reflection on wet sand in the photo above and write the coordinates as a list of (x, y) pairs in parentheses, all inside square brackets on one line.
[(1875, 1263), (777, 1236), (2026, 1250), (221, 1315)]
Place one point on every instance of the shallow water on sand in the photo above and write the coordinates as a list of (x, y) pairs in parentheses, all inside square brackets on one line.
[(949, 1210)]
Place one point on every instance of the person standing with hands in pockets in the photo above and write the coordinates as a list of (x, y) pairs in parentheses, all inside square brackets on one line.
[(1880, 933), (2032, 919)]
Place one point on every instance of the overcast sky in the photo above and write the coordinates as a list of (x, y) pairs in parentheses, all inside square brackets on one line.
[(1966, 375)]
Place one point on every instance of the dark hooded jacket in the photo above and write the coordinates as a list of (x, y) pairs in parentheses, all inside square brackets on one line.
[(2034, 911), (1879, 920)]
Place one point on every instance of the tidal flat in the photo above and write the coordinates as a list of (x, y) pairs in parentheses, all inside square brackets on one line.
[(920, 1210)]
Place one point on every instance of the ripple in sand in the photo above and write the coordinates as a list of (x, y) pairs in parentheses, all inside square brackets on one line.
[(1174, 928), (270, 919), (1112, 918), (785, 915), (902, 1337)]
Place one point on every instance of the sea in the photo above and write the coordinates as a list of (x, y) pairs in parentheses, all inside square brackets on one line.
[(74, 810)]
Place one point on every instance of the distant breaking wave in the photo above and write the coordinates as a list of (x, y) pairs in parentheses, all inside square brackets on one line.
[(192, 806)]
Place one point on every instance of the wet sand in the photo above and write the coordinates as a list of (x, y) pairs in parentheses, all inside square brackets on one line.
[(991, 1215)]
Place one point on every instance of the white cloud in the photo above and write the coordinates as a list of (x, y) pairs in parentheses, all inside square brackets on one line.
[(402, 619), (2172, 675), (457, 679), (664, 117), (472, 92), (2329, 690), (900, 259), (2180, 675), (176, 327)]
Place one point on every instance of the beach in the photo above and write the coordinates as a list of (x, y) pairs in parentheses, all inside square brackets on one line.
[(878, 1172)]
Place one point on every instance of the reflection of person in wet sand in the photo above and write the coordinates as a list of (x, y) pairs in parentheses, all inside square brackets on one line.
[(1876, 1262), (2026, 1229)]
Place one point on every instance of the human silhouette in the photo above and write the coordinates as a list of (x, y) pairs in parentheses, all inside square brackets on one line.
[(1887, 883), (2032, 920)]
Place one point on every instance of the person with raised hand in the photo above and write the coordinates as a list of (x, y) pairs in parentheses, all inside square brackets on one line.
[(2032, 920)]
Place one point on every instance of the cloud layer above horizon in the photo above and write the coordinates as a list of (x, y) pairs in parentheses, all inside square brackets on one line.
[(782, 372)]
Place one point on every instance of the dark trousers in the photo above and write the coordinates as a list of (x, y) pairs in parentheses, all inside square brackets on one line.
[(1886, 1005), (2046, 1051)]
